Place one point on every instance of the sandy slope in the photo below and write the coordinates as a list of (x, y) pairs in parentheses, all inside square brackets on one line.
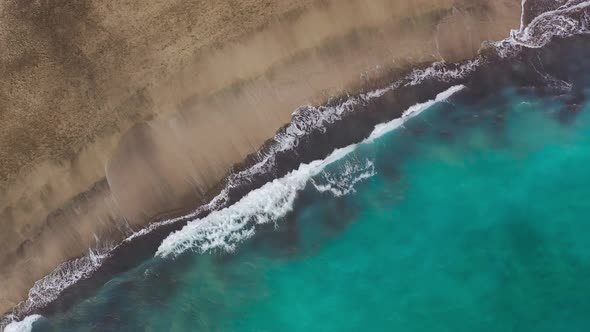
[(162, 97)]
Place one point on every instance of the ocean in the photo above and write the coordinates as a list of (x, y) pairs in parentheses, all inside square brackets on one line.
[(452, 200)]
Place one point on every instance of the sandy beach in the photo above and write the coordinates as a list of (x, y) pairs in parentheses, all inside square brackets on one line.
[(112, 114)]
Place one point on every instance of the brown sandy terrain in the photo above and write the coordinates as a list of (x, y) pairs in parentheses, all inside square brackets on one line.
[(112, 112)]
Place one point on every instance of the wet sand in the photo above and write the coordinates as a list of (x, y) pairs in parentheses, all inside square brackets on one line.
[(138, 110)]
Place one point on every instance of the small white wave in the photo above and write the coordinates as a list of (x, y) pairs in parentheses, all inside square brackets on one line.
[(26, 325), (343, 181), (47, 289), (443, 72), (226, 228), (384, 128)]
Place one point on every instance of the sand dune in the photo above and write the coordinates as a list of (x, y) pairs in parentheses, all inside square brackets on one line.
[(114, 112)]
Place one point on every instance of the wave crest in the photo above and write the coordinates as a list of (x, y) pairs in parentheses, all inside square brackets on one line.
[(26, 325), (226, 228)]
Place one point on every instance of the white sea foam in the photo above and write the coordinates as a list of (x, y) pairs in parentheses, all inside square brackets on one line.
[(561, 22), (384, 128), (26, 325), (47, 289), (343, 181), (441, 71), (226, 228)]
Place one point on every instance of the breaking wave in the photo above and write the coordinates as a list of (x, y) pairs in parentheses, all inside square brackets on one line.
[(226, 228), (306, 120), (342, 182), (25, 325)]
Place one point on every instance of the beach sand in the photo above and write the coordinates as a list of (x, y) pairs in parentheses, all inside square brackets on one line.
[(113, 113)]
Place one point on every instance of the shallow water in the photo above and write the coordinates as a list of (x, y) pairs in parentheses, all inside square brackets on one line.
[(474, 218)]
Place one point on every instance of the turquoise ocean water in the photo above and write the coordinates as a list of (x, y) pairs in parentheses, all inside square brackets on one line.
[(475, 218)]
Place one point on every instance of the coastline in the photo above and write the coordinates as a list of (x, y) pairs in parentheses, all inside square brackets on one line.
[(319, 143), (131, 252), (98, 210), (159, 281)]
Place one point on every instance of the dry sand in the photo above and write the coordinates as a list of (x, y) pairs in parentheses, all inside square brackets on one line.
[(113, 112)]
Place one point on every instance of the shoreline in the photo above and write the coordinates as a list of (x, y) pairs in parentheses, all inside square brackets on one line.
[(123, 257), (130, 254), (159, 274), (98, 213), (314, 145)]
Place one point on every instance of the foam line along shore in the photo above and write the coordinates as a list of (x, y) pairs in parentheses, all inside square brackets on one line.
[(148, 130)]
